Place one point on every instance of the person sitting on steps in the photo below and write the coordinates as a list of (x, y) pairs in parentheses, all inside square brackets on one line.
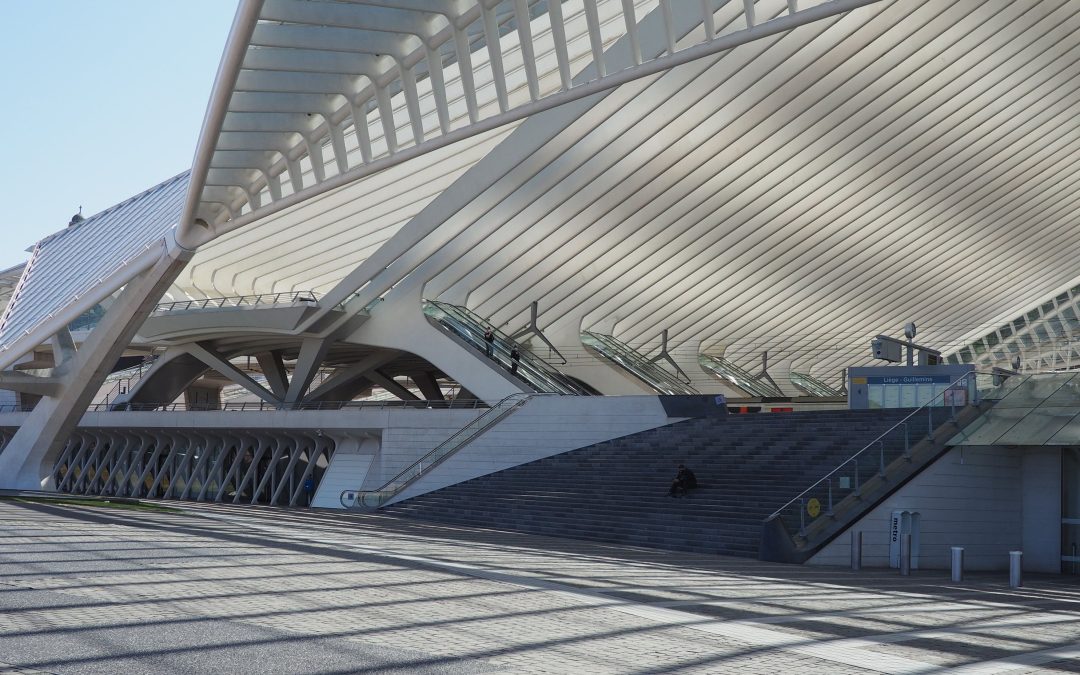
[(684, 482)]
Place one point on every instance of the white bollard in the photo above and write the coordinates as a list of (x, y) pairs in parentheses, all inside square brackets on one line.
[(1016, 569), (856, 551), (905, 555), (957, 563)]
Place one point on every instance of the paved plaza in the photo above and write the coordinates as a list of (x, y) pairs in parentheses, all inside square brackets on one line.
[(218, 589)]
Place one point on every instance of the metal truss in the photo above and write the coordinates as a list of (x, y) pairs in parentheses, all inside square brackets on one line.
[(237, 466)]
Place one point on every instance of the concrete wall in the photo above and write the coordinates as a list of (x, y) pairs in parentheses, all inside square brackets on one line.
[(545, 426), (352, 459), (1041, 487), (408, 436), (972, 497)]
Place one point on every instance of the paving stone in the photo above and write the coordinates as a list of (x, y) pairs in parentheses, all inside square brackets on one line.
[(248, 589)]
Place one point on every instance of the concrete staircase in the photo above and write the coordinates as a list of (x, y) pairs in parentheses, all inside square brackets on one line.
[(616, 491)]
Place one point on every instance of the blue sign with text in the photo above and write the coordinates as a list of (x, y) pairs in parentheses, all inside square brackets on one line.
[(911, 379)]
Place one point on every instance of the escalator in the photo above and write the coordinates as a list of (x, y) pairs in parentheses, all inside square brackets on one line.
[(629, 359), (534, 371), (739, 377), (813, 386)]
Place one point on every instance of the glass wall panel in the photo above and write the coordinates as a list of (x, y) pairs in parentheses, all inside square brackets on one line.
[(1038, 426), (1068, 394), (1070, 510), (892, 395), (908, 396), (1035, 390), (986, 430), (875, 394)]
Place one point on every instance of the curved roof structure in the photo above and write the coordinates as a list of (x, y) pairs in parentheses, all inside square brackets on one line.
[(766, 175), (798, 193)]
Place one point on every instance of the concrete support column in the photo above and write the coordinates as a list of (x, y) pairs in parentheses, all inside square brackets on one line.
[(399, 323), (47, 428)]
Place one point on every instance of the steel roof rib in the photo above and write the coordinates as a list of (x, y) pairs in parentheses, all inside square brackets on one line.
[(598, 172), (408, 55)]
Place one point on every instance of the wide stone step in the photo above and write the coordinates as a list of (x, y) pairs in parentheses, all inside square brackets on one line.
[(616, 491)]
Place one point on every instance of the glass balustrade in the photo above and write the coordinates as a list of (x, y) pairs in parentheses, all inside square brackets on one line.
[(739, 376), (309, 298), (813, 386), (534, 371), (634, 362)]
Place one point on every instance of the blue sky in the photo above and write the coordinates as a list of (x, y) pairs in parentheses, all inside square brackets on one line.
[(101, 100)]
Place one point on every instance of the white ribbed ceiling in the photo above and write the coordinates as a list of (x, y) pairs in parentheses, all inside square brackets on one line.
[(326, 87), (319, 56), (801, 193)]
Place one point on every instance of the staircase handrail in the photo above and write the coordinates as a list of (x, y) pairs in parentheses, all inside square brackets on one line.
[(455, 442), (879, 441)]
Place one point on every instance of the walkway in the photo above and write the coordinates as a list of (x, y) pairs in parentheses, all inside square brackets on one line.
[(211, 588)]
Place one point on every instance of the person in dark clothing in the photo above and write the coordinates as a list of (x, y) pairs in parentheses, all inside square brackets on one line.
[(684, 482), (489, 341), (515, 359)]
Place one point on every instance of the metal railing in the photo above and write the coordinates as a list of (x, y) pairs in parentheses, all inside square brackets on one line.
[(124, 380), (288, 298), (15, 408), (251, 406), (373, 499), (849, 477)]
